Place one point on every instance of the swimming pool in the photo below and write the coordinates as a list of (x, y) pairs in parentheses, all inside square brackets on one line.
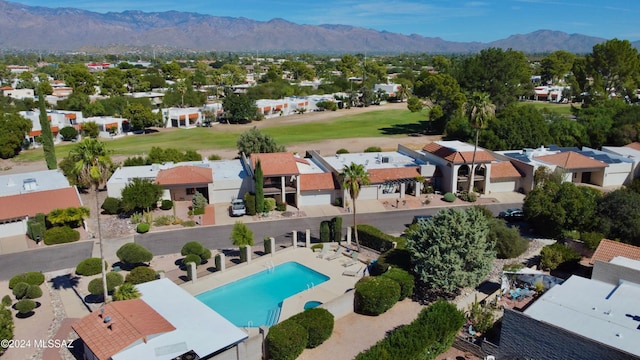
[(257, 299)]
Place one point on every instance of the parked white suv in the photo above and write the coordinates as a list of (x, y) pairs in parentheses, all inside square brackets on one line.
[(238, 208)]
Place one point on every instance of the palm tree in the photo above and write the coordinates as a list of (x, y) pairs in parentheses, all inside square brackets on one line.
[(479, 110), (403, 93), (92, 169), (354, 176)]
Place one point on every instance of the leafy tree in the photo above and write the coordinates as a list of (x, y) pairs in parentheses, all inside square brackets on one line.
[(616, 65), (444, 92), (47, 136), (140, 117), (71, 216), (13, 129), (126, 291), (239, 108), (253, 141), (68, 133), (259, 181), (509, 243), (354, 176), (132, 253), (479, 110), (112, 82), (414, 104), (556, 66), (566, 132), (619, 214), (140, 194), (199, 201), (516, 127), (79, 78), (451, 250), (552, 256), (241, 235), (90, 129)]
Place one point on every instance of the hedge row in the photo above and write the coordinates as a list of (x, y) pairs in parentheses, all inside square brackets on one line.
[(287, 340), (60, 235), (31, 278), (375, 239), (114, 279), (375, 295), (431, 334), (404, 279), (90, 266)]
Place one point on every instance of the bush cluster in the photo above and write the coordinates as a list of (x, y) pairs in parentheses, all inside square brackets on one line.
[(342, 151), (188, 223), (591, 239), (400, 258), (31, 278), (163, 220), (318, 323), (143, 228), (166, 204), (468, 196), (375, 295), (269, 204), (449, 197), (60, 235), (375, 239), (140, 274), (25, 306), (552, 256), (286, 340), (432, 333), (26, 291), (404, 279), (508, 242), (111, 206), (195, 248), (280, 206), (89, 267), (132, 253), (192, 258), (36, 226), (6, 300), (114, 279), (371, 149)]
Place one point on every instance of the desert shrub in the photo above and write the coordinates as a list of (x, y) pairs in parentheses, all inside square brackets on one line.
[(269, 204), (33, 292), (280, 206), (25, 306), (114, 279), (68, 133), (140, 274), (166, 204), (136, 218), (286, 340), (31, 278), (325, 231), (143, 228), (111, 206), (371, 149), (319, 325), (250, 203), (214, 157), (552, 256), (192, 258), (342, 151), (431, 334), (375, 239), (449, 197), (468, 196), (188, 223), (404, 279), (20, 290), (126, 291), (375, 295), (336, 229), (60, 235), (132, 253), (508, 242), (89, 267), (163, 220), (6, 300), (194, 247), (199, 201), (591, 239)]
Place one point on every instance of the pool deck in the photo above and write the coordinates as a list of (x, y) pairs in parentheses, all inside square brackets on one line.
[(337, 285)]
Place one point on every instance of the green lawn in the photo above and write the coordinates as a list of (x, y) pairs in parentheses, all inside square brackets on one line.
[(562, 109), (376, 123)]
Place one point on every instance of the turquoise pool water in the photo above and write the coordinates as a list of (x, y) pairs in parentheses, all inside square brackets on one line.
[(257, 299)]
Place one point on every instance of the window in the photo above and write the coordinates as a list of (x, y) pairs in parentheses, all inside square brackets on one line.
[(191, 191)]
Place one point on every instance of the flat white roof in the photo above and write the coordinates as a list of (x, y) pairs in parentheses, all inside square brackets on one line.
[(311, 168), (198, 327), (222, 170), (21, 183), (374, 160), (457, 145), (593, 309), (227, 170), (626, 262)]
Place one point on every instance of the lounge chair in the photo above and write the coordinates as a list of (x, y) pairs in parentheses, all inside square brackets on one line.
[(325, 249), (337, 254), (354, 260), (352, 272)]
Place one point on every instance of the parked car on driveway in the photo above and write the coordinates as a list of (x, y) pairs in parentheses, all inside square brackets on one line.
[(238, 208), (512, 215)]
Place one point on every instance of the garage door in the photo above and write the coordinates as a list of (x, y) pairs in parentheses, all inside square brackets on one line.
[(13, 228), (321, 198), (502, 186)]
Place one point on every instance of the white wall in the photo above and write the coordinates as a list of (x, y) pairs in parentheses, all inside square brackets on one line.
[(13, 228)]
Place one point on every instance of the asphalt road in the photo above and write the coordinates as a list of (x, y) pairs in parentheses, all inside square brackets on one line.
[(45, 259)]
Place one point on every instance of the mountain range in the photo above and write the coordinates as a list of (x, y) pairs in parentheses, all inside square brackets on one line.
[(31, 28)]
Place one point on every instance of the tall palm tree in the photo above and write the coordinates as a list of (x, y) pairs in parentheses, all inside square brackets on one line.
[(354, 176), (92, 170), (479, 110)]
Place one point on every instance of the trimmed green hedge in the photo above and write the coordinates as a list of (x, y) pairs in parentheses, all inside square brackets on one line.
[(286, 340), (33, 292), (111, 206), (132, 253), (325, 231), (25, 306), (375, 295), (143, 228), (449, 197), (60, 235), (250, 203), (141, 274), (319, 325), (336, 229), (20, 290), (166, 204), (6, 300), (31, 278), (393, 258), (404, 279), (114, 279), (90, 266), (192, 258), (375, 239), (431, 334), (194, 247)]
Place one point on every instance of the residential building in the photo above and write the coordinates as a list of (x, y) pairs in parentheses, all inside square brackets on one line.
[(609, 249), (19, 94), (182, 117)]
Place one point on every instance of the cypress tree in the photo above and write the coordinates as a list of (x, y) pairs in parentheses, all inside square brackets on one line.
[(47, 136), (259, 177)]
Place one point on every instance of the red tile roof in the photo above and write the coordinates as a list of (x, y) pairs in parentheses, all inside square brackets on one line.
[(322, 181), (634, 145), (458, 157), (503, 170), (378, 176), (275, 164), (608, 249), (570, 160), (131, 321), (185, 175), (31, 203)]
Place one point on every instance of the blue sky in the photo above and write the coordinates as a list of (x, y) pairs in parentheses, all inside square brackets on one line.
[(448, 19)]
